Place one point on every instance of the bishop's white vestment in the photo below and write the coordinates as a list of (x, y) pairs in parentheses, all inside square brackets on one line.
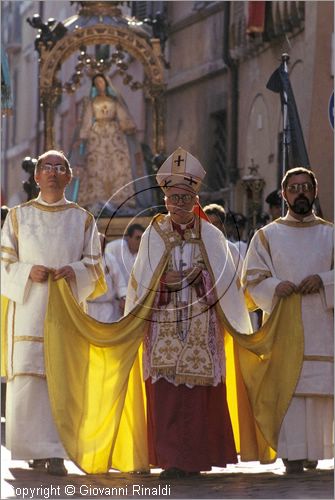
[(52, 235), (288, 249)]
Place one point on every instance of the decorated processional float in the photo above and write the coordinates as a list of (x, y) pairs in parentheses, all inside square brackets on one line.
[(104, 72)]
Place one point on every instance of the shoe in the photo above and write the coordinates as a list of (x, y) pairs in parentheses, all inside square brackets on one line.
[(175, 473), (172, 473), (37, 463), (310, 464), (293, 466), (55, 467)]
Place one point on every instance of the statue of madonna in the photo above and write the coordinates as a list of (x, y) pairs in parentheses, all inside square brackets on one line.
[(107, 175)]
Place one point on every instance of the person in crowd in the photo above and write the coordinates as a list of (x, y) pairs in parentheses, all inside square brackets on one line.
[(294, 255), (274, 200), (235, 225), (217, 216), (47, 238), (106, 308), (124, 252)]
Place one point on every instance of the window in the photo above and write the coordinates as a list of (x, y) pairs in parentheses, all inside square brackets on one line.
[(219, 177)]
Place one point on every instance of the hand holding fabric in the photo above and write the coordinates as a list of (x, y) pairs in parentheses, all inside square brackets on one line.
[(285, 289), (311, 284), (39, 274), (64, 272)]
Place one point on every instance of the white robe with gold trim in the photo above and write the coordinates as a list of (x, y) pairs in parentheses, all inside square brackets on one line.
[(52, 235), (291, 250)]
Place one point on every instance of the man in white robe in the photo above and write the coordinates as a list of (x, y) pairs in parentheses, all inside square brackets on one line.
[(106, 307), (294, 254), (45, 238), (124, 251)]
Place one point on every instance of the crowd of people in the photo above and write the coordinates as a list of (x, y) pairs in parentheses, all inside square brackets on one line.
[(202, 281)]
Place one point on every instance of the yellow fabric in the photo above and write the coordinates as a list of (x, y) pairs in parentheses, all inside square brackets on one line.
[(266, 367), (4, 309), (101, 423), (100, 286), (100, 410), (249, 301)]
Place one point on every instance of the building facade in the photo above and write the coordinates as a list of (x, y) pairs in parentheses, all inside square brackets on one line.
[(218, 57)]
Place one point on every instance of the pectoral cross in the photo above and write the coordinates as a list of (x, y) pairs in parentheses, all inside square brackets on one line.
[(181, 305), (181, 265)]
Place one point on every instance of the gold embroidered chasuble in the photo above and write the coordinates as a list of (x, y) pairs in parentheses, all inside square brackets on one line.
[(96, 384), (183, 343)]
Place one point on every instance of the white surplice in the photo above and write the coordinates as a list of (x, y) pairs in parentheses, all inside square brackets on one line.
[(52, 235), (288, 249)]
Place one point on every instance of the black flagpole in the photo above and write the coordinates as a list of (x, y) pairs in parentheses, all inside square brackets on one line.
[(285, 142)]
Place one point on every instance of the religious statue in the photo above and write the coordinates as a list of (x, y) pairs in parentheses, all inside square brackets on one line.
[(106, 178)]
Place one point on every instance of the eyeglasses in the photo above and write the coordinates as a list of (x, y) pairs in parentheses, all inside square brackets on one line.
[(48, 168), (305, 187), (176, 198)]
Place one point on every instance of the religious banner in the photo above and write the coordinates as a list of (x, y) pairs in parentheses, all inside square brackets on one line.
[(256, 17), (279, 82)]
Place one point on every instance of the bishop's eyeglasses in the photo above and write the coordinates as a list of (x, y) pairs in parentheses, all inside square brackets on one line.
[(48, 168), (176, 198), (305, 187)]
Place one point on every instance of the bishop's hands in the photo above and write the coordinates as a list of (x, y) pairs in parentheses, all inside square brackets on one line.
[(40, 274), (310, 284), (176, 280)]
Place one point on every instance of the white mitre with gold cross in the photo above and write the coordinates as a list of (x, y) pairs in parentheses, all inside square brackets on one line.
[(181, 169)]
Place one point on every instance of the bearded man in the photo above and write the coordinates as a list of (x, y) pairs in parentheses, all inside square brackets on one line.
[(294, 255)]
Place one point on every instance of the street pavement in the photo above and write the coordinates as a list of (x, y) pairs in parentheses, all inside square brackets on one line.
[(243, 480)]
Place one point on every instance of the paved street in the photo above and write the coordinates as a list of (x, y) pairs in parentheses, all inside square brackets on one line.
[(244, 480)]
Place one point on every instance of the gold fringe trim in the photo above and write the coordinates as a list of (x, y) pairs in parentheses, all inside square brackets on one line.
[(318, 358), (133, 282), (261, 272), (89, 220), (53, 208), (3, 259), (194, 380), (312, 395), (9, 250), (13, 217), (167, 371), (311, 223), (180, 378), (26, 374), (238, 283), (264, 241), (12, 332), (27, 338)]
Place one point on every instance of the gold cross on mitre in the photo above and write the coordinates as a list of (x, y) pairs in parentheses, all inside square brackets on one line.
[(181, 168)]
